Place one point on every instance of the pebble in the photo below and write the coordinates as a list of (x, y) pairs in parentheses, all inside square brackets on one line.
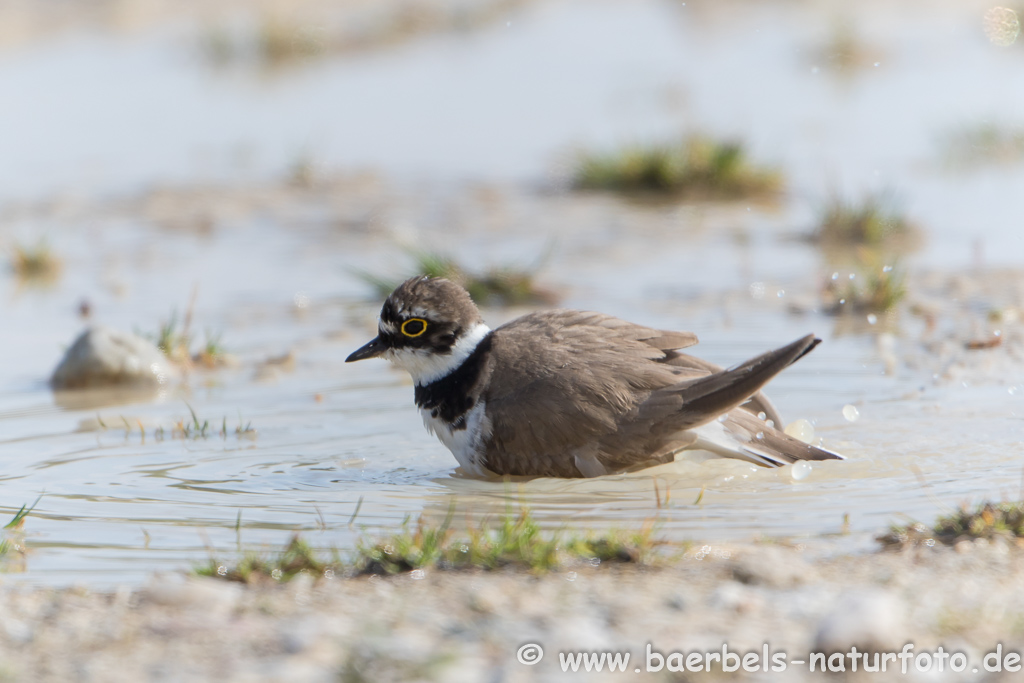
[(214, 595), (772, 566), (105, 357), (869, 619)]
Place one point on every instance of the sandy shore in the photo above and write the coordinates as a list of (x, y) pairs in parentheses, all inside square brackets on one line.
[(469, 626)]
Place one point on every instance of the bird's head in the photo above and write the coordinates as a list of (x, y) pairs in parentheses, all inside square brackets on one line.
[(427, 326)]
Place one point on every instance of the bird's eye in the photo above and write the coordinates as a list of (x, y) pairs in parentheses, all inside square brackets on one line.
[(414, 327)]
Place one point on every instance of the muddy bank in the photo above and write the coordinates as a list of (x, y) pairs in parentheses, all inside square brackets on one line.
[(469, 626)]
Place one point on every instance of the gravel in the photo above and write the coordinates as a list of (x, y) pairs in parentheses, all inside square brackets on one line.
[(469, 626)]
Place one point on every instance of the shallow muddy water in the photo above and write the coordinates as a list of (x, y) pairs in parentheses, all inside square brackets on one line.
[(273, 267)]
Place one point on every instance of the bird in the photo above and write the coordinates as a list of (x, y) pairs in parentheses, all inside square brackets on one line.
[(568, 393)]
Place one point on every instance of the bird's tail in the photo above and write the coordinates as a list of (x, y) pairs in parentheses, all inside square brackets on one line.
[(707, 398)]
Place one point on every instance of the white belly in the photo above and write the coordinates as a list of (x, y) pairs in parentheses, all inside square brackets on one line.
[(467, 445)]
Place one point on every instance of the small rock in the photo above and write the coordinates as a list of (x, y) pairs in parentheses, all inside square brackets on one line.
[(104, 357), (872, 620), (676, 602), (213, 595), (772, 566), (17, 631), (734, 597)]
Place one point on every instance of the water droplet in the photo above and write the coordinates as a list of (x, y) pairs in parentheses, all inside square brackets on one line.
[(851, 413), (886, 269), (853, 276), (872, 318), (801, 430), (835, 275), (1011, 390), (1002, 26), (723, 418), (770, 423), (800, 470), (781, 293), (759, 436), (762, 415), (842, 301)]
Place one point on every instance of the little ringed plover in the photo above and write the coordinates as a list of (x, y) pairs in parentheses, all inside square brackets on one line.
[(565, 393)]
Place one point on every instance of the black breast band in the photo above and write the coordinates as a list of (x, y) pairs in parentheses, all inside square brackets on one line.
[(449, 397)]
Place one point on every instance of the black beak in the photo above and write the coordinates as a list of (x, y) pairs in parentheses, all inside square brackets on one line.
[(371, 349)]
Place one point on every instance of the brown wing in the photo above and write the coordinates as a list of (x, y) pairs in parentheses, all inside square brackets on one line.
[(685, 405), (542, 359), (553, 416)]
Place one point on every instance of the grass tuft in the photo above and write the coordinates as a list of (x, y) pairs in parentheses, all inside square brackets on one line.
[(18, 521), (212, 354), (274, 42), (172, 340), (286, 39), (37, 264), (297, 558), (516, 542), (697, 167), (988, 520), (502, 286), (984, 143), (876, 287), (12, 537), (175, 340), (280, 41), (873, 220), (191, 428), (845, 50)]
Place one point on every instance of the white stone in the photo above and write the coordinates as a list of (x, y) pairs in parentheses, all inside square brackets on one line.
[(104, 357), (870, 619)]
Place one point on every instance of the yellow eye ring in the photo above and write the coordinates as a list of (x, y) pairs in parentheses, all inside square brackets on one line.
[(422, 329)]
